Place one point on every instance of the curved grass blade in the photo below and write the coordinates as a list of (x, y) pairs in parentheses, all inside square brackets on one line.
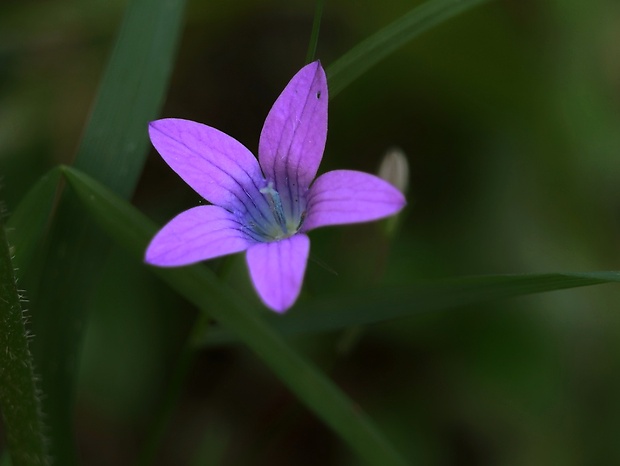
[(316, 27), (115, 142), (331, 314), (381, 305), (19, 401), (27, 224), (372, 50), (113, 150), (199, 285), (174, 390)]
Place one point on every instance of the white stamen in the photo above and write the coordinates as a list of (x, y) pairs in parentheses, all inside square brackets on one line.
[(273, 197)]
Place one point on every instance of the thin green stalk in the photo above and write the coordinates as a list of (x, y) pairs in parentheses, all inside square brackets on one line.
[(179, 378), (173, 393), (314, 36), (372, 50), (20, 403)]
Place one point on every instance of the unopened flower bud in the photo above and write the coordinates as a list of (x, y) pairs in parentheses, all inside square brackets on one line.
[(394, 168)]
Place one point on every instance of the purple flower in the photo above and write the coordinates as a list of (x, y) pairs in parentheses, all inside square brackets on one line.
[(264, 206)]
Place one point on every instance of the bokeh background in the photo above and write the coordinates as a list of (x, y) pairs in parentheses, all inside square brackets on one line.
[(510, 119)]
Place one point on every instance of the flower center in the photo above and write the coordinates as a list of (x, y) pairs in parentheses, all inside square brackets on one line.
[(273, 198), (276, 224)]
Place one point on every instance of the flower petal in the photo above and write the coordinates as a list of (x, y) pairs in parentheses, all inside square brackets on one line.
[(346, 196), (215, 165), (277, 270), (197, 234), (293, 138)]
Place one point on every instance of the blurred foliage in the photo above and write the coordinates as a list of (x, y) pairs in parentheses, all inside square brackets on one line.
[(509, 115)]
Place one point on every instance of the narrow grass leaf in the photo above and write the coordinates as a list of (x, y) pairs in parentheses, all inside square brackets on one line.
[(199, 285), (28, 223), (372, 50), (388, 304), (113, 150), (384, 304), (316, 27)]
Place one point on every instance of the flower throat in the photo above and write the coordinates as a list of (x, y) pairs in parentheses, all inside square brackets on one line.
[(282, 227)]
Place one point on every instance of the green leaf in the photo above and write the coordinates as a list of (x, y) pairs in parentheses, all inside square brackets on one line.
[(21, 407), (200, 286), (316, 27), (380, 305), (115, 142), (371, 51), (112, 150), (27, 224)]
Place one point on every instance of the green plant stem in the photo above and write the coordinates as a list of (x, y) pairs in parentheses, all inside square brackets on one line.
[(21, 407), (173, 393), (316, 26), (375, 48)]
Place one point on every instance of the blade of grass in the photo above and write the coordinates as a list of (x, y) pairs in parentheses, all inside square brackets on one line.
[(316, 26), (113, 150), (21, 406), (372, 50), (381, 305), (174, 389), (200, 286), (114, 145), (27, 224)]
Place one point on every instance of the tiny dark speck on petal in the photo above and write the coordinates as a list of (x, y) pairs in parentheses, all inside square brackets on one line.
[(318, 95)]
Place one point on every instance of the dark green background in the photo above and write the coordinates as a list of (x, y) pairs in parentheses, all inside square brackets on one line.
[(510, 118)]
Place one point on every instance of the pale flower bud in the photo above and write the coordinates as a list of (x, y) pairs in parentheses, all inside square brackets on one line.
[(394, 168)]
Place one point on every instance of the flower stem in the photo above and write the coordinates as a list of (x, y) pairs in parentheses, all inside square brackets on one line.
[(19, 400), (173, 393), (314, 36)]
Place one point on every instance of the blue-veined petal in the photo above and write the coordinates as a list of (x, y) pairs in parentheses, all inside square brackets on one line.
[(346, 196), (195, 235), (215, 165), (277, 270), (293, 137)]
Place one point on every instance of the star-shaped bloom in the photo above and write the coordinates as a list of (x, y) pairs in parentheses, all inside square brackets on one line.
[(264, 206)]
